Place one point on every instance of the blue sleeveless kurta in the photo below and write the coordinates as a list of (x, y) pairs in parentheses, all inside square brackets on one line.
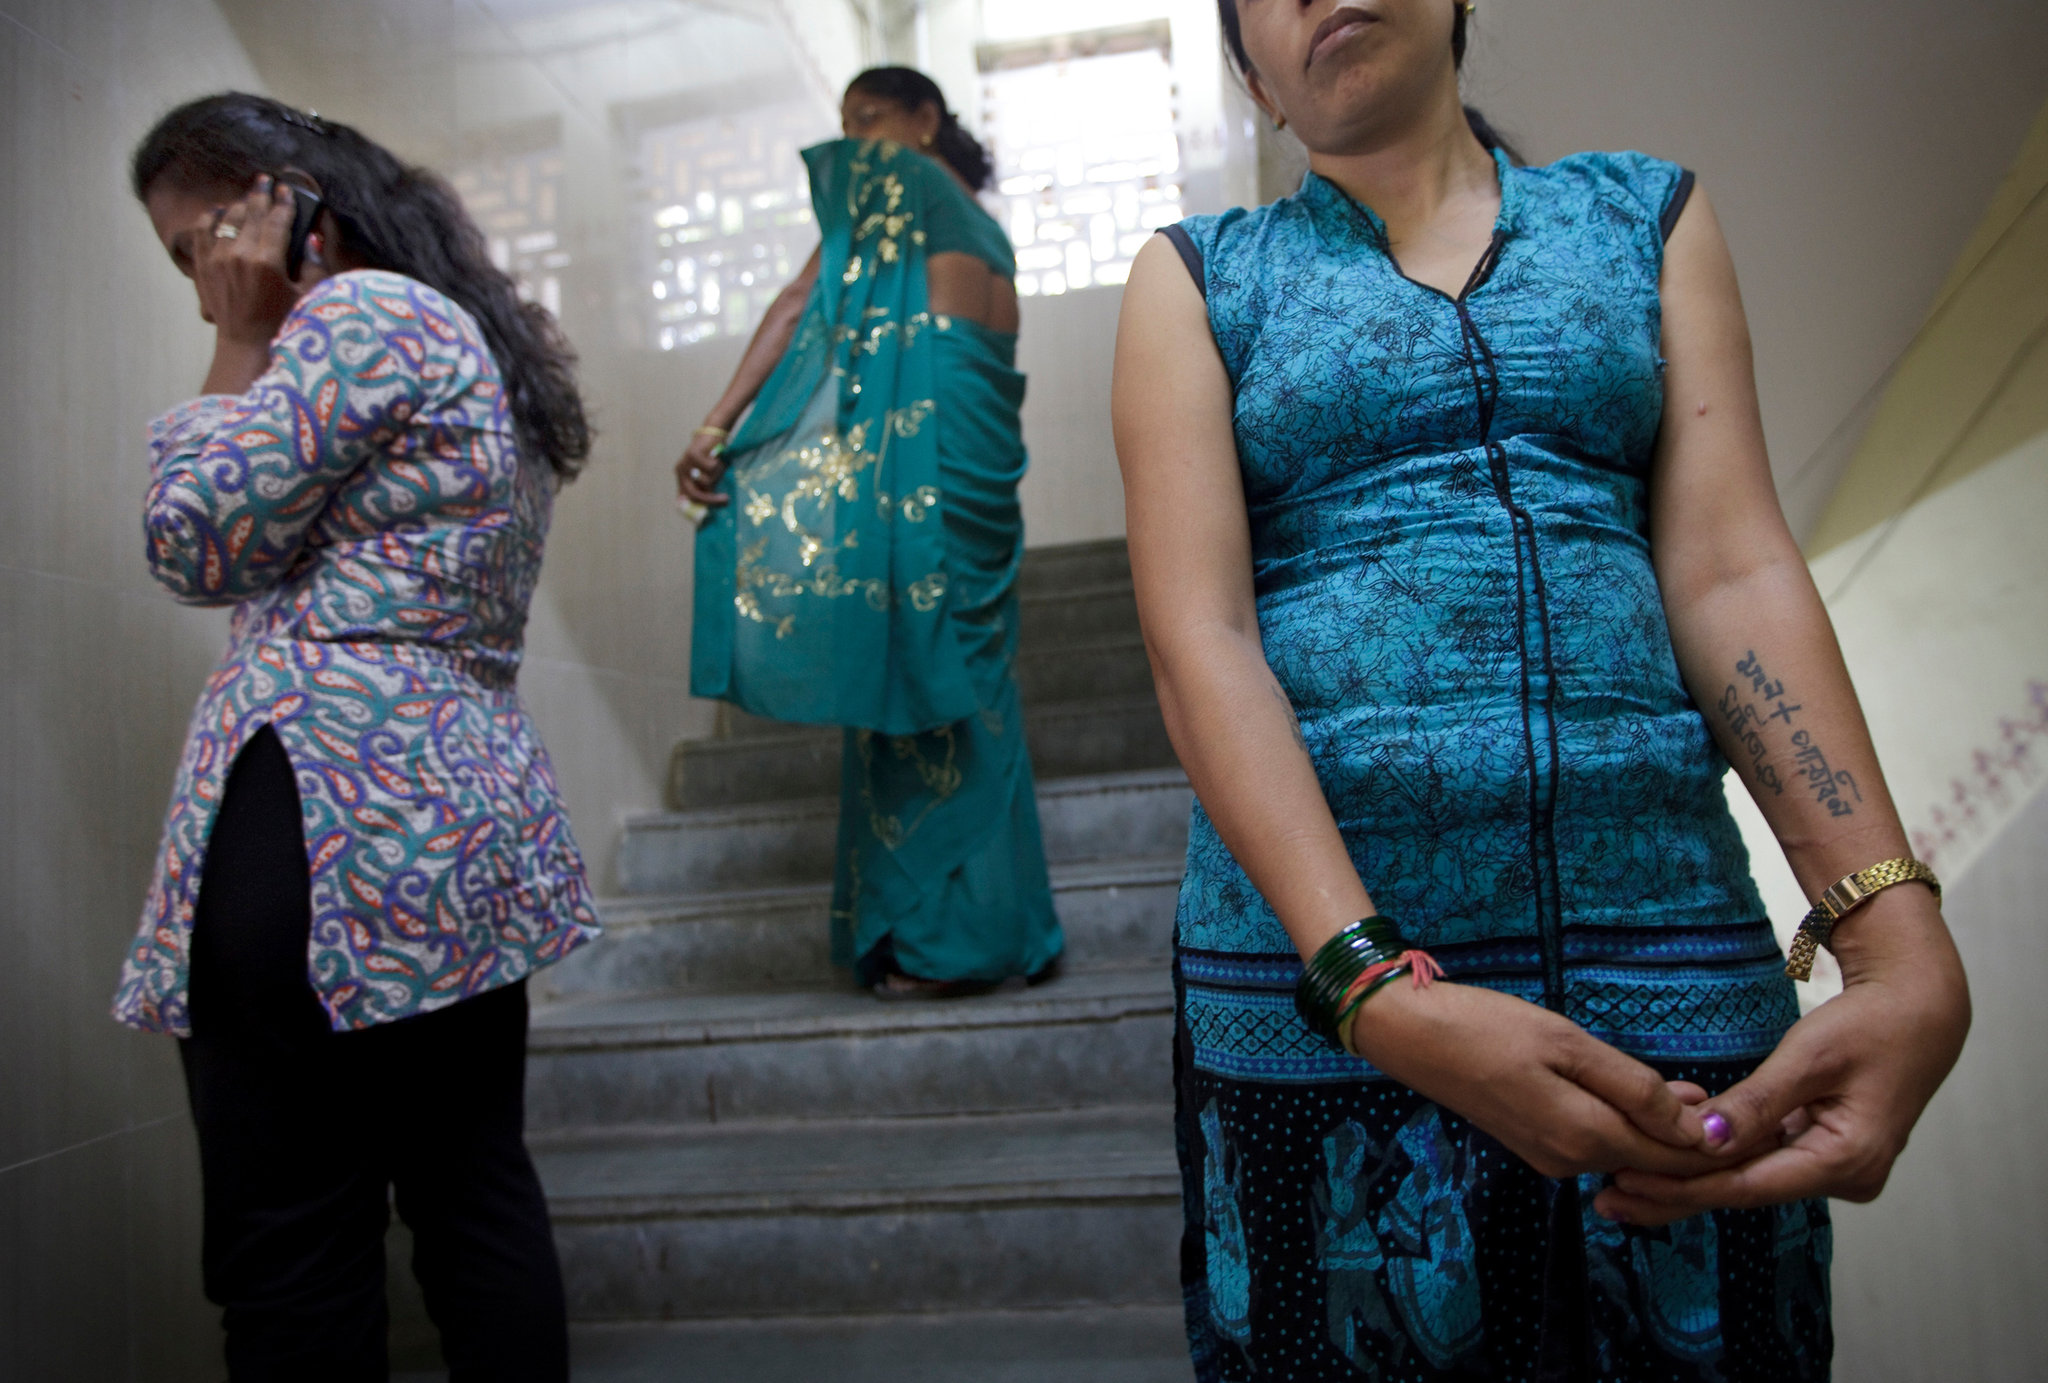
[(1448, 504)]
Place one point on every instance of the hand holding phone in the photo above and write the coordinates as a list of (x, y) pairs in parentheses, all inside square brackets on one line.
[(305, 214), (249, 261)]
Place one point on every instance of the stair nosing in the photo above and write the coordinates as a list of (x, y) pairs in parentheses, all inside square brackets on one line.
[(802, 734), (1108, 871), (954, 1184), (1088, 591), (582, 1029), (740, 812), (1093, 643), (1134, 1188)]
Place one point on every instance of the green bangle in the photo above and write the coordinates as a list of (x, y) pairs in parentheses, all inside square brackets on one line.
[(1366, 993), (1336, 966)]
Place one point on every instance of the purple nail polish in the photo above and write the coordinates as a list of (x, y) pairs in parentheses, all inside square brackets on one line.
[(1716, 1125)]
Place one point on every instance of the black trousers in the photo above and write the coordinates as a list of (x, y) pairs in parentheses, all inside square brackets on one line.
[(305, 1134)]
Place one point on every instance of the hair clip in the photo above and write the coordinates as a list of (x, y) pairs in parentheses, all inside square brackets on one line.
[(306, 120)]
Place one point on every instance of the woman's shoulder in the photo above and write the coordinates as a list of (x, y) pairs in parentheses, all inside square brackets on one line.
[(392, 304), (1642, 182), (1218, 231), (379, 292), (1227, 242)]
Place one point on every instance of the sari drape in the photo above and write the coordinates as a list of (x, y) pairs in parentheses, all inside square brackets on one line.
[(864, 576)]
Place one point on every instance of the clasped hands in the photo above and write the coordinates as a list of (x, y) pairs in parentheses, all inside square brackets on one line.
[(1826, 1114)]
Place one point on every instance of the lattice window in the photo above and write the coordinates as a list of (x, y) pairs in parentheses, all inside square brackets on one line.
[(514, 197), (729, 222), (1087, 161)]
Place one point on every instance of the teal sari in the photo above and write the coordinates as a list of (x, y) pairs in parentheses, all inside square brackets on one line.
[(864, 575)]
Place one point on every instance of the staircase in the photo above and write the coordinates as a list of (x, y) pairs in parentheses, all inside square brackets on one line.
[(758, 1172)]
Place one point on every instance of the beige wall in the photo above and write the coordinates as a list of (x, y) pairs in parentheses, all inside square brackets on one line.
[(1849, 146), (1943, 1278), (99, 1245), (1072, 493)]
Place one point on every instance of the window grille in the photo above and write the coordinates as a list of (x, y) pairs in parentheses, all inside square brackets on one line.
[(1087, 161), (729, 219), (514, 197)]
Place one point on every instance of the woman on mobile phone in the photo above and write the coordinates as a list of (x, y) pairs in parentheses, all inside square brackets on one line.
[(859, 563), (365, 854), (1450, 516)]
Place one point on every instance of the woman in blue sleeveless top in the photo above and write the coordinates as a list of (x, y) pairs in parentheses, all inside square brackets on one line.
[(859, 560), (1461, 569)]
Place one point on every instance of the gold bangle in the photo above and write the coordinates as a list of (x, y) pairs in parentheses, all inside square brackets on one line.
[(1817, 929), (711, 431)]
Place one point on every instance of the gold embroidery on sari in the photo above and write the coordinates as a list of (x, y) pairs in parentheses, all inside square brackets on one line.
[(940, 774), (801, 485), (916, 505), (827, 472)]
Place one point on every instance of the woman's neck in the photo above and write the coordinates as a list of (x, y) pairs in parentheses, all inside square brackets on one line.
[(1413, 177), (949, 169)]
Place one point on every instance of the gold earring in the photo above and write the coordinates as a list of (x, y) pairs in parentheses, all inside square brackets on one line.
[(926, 142)]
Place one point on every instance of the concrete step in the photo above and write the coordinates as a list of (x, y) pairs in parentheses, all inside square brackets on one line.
[(1073, 739), (1113, 1344), (1114, 666), (775, 844), (782, 762), (1114, 914), (1073, 1208), (1094, 1038), (1055, 618), (1052, 569)]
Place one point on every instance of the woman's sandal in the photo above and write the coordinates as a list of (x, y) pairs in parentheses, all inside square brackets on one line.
[(896, 985)]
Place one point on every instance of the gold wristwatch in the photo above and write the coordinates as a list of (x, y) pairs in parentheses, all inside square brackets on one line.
[(1817, 930)]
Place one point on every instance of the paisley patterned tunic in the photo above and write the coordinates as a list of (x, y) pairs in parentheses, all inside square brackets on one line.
[(1448, 511), (366, 508)]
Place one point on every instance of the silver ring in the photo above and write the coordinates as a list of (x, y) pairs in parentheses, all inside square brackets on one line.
[(226, 232), (696, 474)]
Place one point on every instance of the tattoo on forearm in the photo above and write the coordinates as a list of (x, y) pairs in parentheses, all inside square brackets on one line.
[(1824, 782), (1743, 722), (1293, 721), (1746, 719)]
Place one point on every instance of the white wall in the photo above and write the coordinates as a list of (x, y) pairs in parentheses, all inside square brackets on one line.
[(1072, 492), (1945, 1276), (99, 1242), (1849, 146)]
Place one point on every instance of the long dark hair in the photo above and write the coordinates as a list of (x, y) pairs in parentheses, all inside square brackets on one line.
[(1461, 26), (391, 216), (912, 90)]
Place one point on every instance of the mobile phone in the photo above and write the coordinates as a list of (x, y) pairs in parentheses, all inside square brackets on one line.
[(305, 211)]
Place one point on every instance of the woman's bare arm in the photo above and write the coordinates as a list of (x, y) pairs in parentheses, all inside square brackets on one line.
[(1560, 1098), (1758, 652), (1191, 558), (697, 472)]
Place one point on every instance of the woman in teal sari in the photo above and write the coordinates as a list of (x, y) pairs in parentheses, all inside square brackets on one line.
[(857, 563)]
